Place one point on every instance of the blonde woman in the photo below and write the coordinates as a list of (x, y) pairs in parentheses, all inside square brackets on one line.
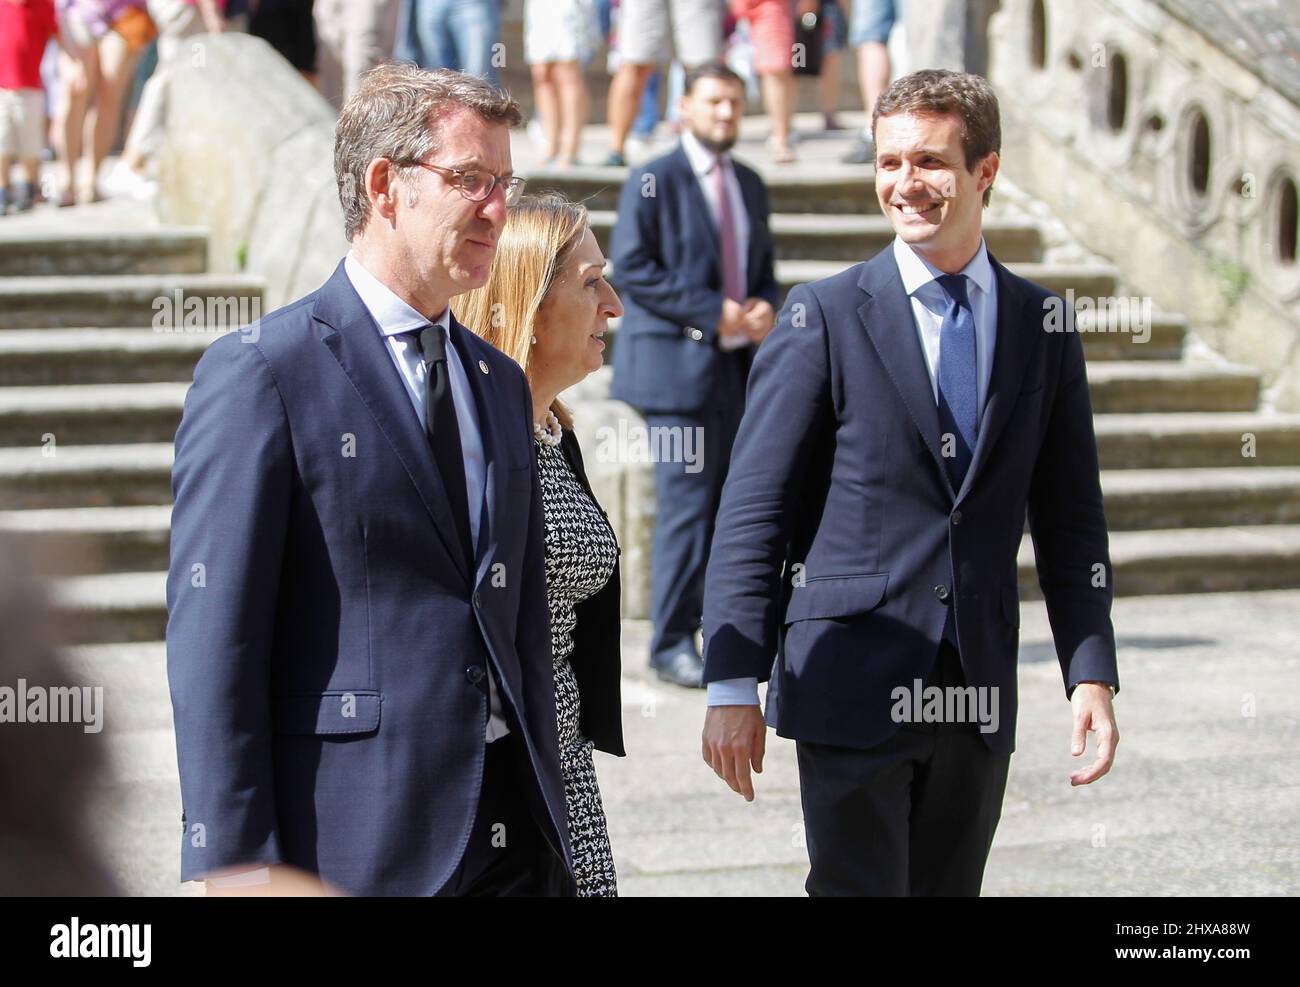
[(546, 304)]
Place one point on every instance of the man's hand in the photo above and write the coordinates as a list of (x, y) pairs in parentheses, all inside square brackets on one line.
[(1093, 711), (734, 738), (280, 881), (733, 319), (759, 318)]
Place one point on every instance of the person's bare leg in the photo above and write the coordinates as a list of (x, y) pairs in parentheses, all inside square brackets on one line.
[(78, 81), (624, 101), (117, 63), (778, 101), (546, 99), (873, 72), (828, 86), (574, 101)]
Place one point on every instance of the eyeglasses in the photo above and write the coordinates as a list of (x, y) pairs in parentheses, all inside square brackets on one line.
[(478, 185)]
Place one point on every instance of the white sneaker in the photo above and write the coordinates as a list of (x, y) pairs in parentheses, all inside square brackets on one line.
[(123, 181)]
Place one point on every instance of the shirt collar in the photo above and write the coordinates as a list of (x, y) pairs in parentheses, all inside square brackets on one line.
[(391, 314), (917, 272), (701, 158)]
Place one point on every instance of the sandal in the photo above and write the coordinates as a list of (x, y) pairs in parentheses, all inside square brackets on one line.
[(782, 152)]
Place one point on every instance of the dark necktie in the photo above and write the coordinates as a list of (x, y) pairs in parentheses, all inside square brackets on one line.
[(957, 373), (444, 432)]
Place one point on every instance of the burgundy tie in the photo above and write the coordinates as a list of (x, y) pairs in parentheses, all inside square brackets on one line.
[(731, 285)]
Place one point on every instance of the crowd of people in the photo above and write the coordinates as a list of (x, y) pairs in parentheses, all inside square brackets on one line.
[(81, 78)]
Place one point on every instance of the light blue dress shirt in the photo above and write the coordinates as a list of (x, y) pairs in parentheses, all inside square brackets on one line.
[(396, 320), (929, 301)]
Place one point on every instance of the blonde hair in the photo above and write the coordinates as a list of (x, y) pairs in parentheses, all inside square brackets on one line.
[(540, 235)]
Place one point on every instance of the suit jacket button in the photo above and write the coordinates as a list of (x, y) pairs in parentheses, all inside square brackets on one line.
[(956, 517), (694, 333), (474, 674), (941, 591)]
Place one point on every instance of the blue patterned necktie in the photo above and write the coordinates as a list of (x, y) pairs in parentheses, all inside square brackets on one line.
[(957, 373)]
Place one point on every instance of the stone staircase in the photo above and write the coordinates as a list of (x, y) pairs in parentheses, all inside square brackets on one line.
[(93, 375), (91, 394)]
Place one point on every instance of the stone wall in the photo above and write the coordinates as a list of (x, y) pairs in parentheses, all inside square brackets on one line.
[(249, 154), (1166, 153)]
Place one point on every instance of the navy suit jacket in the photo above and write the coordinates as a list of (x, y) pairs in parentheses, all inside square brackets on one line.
[(326, 639), (840, 543), (667, 263)]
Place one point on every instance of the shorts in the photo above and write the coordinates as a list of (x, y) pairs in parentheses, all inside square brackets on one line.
[(835, 28), (771, 32), (871, 20), (22, 123), (560, 31), (643, 27)]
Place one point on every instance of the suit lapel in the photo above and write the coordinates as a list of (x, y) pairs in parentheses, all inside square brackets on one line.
[(488, 403), (887, 317), (1018, 337), (356, 344), (750, 194), (704, 227)]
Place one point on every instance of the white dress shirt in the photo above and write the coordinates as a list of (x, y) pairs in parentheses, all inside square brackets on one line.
[(396, 319), (703, 162), (929, 302)]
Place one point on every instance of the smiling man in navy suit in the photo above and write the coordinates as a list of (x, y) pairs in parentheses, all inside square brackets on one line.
[(358, 643), (900, 421)]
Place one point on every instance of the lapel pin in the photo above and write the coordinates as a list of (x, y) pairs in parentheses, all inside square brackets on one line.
[(482, 365)]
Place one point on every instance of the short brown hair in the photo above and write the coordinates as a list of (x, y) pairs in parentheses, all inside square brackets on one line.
[(939, 91), (394, 114), (710, 70)]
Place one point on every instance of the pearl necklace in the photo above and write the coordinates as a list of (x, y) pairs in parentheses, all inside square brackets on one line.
[(551, 434)]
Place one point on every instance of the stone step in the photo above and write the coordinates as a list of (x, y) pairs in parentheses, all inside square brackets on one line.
[(131, 606), (84, 414), (1199, 439), (1122, 386), (125, 539), (179, 302), (1162, 339), (1159, 338), (835, 189), (1192, 560), (113, 607), (851, 238), (86, 476), (1201, 498), (44, 253), (97, 539), (1091, 280), (98, 356)]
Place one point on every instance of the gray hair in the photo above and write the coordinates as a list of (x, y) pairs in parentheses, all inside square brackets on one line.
[(394, 114)]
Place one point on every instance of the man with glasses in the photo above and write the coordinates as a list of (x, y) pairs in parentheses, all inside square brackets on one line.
[(358, 642)]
